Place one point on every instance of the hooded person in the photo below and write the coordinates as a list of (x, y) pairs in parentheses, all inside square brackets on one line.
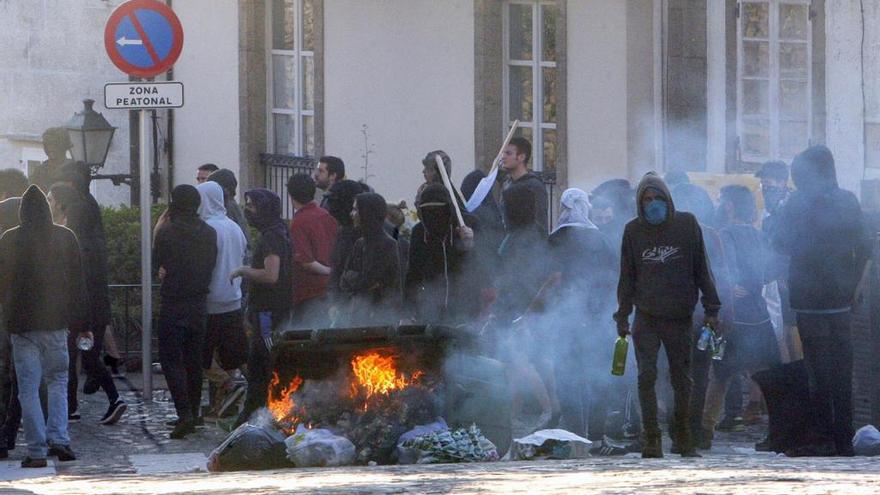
[(226, 179), (371, 278), (613, 206), (185, 253), (440, 283), (663, 271), (224, 335), (340, 202), (270, 291), (821, 228), (43, 293), (488, 214), (584, 263)]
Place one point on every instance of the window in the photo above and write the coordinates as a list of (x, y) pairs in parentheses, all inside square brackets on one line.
[(291, 89), (774, 79), (530, 92)]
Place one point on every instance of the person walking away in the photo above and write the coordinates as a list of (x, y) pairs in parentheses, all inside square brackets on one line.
[(42, 287), (585, 263), (751, 343), (185, 253), (515, 163), (270, 292), (225, 339), (70, 209), (663, 269), (821, 228)]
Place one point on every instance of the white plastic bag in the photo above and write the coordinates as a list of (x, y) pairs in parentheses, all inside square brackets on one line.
[(867, 441), (551, 444), (319, 448)]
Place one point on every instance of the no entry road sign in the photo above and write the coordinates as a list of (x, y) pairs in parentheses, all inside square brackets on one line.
[(143, 38)]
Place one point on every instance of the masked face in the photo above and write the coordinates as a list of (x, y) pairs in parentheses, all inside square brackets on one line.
[(655, 211), (773, 197), (435, 216)]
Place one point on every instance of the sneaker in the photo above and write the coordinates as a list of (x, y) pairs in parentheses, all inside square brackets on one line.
[(62, 452), (731, 425), (231, 398), (182, 429), (114, 412), (73, 417), (29, 462)]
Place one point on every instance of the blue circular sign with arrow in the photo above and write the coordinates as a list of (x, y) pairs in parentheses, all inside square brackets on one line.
[(143, 38)]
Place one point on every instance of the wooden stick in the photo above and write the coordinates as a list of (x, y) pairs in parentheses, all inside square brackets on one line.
[(448, 185), (506, 142)]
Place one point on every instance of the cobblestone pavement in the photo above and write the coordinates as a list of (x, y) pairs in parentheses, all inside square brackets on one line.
[(136, 457)]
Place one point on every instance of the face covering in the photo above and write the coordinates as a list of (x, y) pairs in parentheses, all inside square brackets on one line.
[(655, 212), (773, 196)]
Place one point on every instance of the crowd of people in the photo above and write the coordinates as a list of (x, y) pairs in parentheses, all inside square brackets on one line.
[(540, 298)]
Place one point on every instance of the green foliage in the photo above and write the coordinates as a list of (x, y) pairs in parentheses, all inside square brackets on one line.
[(122, 228)]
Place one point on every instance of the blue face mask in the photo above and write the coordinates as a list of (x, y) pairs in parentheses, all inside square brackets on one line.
[(655, 212)]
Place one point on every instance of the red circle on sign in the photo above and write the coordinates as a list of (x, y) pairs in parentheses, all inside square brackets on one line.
[(127, 9)]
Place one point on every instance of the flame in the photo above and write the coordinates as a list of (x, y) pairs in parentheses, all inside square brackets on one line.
[(376, 374), (281, 406)]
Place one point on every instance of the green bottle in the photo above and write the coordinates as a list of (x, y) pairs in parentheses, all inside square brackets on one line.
[(618, 367)]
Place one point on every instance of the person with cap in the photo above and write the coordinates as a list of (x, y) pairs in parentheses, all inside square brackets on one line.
[(663, 270), (821, 228), (584, 263), (515, 164), (43, 293), (439, 285), (56, 144), (270, 294), (329, 171), (185, 253), (226, 179)]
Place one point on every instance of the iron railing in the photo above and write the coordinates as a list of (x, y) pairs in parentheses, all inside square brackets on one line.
[(278, 169), (125, 312)]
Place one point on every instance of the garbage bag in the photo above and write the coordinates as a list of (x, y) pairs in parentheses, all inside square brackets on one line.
[(867, 441), (551, 444), (410, 455), (787, 395), (319, 448), (461, 445), (249, 447)]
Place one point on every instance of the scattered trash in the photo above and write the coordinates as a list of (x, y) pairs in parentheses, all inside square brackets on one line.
[(461, 445), (410, 455), (319, 448), (551, 444), (867, 441), (249, 447)]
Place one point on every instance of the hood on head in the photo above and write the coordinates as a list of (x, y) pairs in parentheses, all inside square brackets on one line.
[(695, 199), (574, 209), (371, 211), (340, 200), (9, 208), (34, 211), (653, 181), (212, 204), (267, 206), (226, 179), (617, 192), (470, 182), (435, 209), (185, 201), (519, 206), (813, 170)]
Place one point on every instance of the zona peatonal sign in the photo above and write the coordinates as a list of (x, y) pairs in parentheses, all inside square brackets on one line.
[(132, 96), (143, 38)]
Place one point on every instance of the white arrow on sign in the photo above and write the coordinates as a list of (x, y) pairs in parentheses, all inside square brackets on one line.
[(124, 41)]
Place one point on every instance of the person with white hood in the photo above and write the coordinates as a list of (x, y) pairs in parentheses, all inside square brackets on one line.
[(225, 339), (585, 267)]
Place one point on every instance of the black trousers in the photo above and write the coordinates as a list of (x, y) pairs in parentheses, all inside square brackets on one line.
[(181, 335), (92, 366), (676, 338), (259, 367), (828, 355)]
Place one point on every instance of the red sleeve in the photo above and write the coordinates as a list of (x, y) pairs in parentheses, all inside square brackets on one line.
[(303, 251)]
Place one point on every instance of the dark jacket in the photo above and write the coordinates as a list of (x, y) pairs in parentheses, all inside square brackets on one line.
[(187, 248), (41, 279), (340, 201), (9, 213), (587, 262), (85, 220), (536, 185), (821, 228), (746, 251), (664, 268)]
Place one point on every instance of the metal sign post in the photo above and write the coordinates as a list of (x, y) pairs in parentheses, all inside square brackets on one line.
[(146, 263)]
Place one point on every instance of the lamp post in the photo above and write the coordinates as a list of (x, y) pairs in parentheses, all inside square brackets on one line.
[(90, 134)]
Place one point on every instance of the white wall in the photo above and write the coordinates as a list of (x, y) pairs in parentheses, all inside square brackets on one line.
[(405, 68), (51, 58), (206, 129), (597, 92)]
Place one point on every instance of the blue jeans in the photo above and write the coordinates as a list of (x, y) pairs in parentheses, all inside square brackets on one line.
[(41, 355)]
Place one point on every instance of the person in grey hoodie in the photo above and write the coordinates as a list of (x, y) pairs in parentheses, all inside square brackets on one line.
[(225, 338), (663, 270)]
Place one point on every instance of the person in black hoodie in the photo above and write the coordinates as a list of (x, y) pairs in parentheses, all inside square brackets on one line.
[(43, 292), (271, 291), (821, 228), (340, 202), (515, 163), (185, 252), (371, 279), (613, 206), (439, 282), (663, 270)]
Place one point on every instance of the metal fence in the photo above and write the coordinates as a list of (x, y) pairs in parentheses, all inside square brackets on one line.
[(278, 169), (125, 304)]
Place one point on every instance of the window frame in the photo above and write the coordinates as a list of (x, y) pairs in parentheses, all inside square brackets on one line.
[(537, 64), (774, 78), (298, 55)]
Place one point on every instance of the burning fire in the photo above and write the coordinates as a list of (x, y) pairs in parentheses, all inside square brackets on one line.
[(376, 374), (282, 406)]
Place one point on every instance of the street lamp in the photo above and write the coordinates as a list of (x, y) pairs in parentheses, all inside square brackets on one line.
[(90, 134)]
